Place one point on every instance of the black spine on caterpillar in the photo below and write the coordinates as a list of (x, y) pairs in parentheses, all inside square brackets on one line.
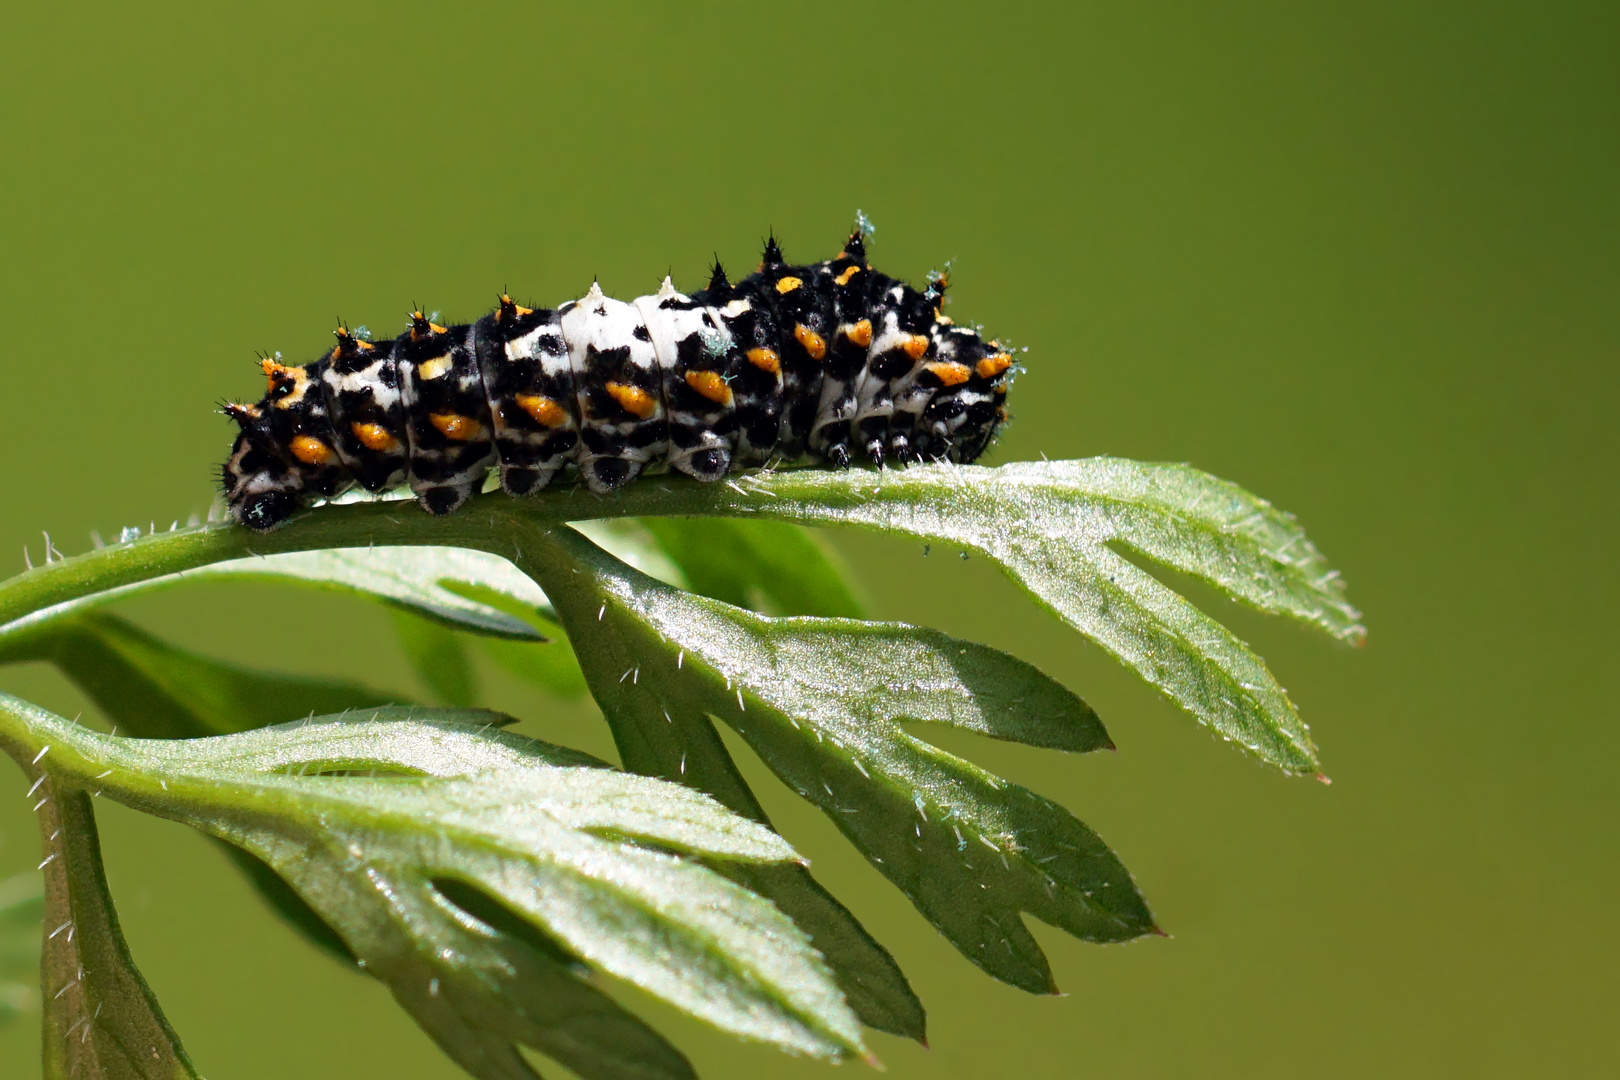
[(831, 362)]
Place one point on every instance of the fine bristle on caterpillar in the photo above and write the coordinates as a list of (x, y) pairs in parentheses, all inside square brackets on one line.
[(827, 363)]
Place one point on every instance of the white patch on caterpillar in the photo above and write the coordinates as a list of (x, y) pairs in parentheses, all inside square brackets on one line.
[(874, 395), (621, 401), (385, 396)]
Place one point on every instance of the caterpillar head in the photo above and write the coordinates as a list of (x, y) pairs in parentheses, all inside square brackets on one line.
[(261, 489), (963, 415)]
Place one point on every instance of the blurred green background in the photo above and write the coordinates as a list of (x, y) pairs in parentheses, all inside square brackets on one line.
[(1361, 258)]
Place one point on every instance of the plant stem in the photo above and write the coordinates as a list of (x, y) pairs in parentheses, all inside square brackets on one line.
[(492, 523)]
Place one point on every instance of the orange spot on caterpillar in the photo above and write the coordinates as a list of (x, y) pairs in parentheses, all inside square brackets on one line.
[(710, 385), (811, 341), (787, 285), (916, 346), (543, 409), (765, 360), (843, 279), (991, 366), (860, 333), (455, 426), (949, 374), (633, 399), (375, 437), (311, 451)]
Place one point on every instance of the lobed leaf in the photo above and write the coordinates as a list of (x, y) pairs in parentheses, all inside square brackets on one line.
[(1053, 526), (1062, 530), (406, 750), (572, 862), (821, 701), (151, 689), (681, 745)]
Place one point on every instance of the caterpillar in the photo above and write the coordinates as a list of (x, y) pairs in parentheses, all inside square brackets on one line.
[(827, 363)]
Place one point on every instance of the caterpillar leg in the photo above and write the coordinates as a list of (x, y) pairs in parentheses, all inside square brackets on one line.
[(444, 498), (267, 510), (519, 481), (605, 475), (707, 464)]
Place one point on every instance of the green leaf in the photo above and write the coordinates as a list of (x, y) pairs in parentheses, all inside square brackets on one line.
[(1063, 530), (102, 1022), (151, 689), (820, 701), (765, 565), (1054, 526), (691, 753), (155, 690), (592, 864), (278, 894), (682, 746), (439, 657)]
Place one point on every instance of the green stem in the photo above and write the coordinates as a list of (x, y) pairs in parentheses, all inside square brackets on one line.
[(493, 523)]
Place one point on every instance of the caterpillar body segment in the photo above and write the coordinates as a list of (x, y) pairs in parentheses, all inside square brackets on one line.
[(831, 362)]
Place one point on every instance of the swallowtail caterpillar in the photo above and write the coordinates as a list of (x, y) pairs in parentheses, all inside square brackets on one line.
[(828, 363)]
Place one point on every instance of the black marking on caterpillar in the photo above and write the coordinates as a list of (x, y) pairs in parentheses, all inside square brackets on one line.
[(831, 363)]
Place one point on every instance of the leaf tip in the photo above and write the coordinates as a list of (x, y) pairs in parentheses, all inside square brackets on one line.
[(1322, 778), (870, 1059), (1158, 931)]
